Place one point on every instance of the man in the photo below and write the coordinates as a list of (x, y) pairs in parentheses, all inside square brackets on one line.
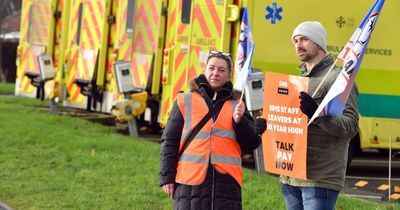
[(328, 136)]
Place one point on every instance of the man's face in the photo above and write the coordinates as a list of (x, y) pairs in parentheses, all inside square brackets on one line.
[(306, 49), (217, 72)]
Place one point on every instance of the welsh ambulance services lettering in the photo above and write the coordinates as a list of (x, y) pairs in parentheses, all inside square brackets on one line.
[(285, 139), (369, 51)]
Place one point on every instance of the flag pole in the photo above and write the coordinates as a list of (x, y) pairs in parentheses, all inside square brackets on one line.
[(241, 97), (390, 164), (323, 80)]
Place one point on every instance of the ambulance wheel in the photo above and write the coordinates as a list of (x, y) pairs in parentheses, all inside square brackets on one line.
[(384, 152)]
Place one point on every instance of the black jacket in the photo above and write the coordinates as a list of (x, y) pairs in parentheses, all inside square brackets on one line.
[(219, 191)]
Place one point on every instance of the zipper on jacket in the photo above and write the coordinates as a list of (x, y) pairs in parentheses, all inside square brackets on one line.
[(213, 169)]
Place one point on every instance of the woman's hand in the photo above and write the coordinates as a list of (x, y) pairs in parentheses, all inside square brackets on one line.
[(169, 189), (239, 112)]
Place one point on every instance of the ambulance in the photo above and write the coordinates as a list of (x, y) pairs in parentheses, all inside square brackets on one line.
[(378, 77), (117, 49), (43, 30)]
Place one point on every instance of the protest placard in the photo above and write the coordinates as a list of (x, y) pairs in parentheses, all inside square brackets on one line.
[(285, 139)]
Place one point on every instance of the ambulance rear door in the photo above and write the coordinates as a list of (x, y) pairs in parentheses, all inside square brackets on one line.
[(87, 52), (36, 38), (137, 36), (193, 28)]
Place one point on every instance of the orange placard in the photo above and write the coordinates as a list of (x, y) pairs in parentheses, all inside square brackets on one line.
[(285, 140)]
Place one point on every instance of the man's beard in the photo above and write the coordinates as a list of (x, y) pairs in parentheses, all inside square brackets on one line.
[(306, 55), (305, 58)]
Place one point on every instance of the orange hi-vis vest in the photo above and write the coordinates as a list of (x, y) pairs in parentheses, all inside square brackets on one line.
[(215, 143)]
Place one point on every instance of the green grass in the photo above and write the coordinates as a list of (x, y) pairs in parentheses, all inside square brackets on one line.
[(59, 162), (7, 88)]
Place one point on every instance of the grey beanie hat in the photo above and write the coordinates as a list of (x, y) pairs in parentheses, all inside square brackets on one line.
[(312, 30)]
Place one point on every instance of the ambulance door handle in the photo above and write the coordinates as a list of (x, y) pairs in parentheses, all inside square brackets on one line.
[(233, 13), (168, 65)]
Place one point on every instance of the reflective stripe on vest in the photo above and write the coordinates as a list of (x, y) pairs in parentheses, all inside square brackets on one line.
[(226, 159), (215, 143), (193, 158)]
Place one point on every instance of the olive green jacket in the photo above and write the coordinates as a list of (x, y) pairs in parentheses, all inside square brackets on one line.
[(328, 136)]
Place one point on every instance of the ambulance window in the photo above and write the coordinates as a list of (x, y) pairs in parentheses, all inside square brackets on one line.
[(30, 23), (129, 16), (78, 39), (186, 7)]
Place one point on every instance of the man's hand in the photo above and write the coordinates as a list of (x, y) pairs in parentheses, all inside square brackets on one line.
[(239, 112), (169, 189), (307, 104), (261, 125)]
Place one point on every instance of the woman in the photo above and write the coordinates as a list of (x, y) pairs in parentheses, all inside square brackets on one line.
[(205, 136)]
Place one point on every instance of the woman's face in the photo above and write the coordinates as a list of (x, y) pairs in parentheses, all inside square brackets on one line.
[(217, 72)]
